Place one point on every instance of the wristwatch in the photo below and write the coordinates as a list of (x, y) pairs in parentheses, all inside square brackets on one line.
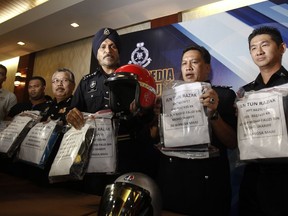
[(214, 116)]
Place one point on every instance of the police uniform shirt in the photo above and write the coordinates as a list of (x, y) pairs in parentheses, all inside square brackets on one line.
[(92, 94), (227, 111), (205, 183), (264, 186), (57, 110), (278, 78)]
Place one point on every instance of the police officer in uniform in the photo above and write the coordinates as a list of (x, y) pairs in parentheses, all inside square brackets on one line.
[(63, 85), (202, 186), (264, 187), (92, 95)]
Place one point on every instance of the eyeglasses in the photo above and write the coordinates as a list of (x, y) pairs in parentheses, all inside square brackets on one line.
[(63, 81)]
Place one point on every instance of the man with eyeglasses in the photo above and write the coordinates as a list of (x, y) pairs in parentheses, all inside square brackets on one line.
[(7, 98), (63, 84)]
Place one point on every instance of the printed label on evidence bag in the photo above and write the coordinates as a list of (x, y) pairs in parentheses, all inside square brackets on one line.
[(10, 133), (4, 124), (262, 130), (184, 119), (35, 142), (103, 155), (68, 150)]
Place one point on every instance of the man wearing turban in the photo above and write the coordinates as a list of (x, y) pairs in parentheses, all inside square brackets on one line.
[(92, 95)]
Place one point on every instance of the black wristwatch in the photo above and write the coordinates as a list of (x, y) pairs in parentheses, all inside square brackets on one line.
[(214, 116)]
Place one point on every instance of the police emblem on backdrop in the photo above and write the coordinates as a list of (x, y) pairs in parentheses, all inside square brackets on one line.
[(140, 55)]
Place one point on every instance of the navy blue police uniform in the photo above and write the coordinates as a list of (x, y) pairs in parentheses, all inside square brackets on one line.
[(57, 110), (202, 186), (265, 183), (92, 95)]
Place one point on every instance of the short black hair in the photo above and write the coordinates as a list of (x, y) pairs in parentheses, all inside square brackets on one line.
[(272, 31), (203, 51), (39, 78), (4, 68)]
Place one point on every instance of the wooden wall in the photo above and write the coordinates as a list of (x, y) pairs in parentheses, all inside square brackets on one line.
[(76, 56)]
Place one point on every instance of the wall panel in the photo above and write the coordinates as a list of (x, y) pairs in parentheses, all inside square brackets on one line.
[(75, 56)]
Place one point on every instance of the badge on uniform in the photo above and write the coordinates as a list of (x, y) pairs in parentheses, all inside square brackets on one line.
[(106, 31), (93, 86), (63, 110)]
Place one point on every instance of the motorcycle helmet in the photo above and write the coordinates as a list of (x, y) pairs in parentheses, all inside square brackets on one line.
[(128, 83), (133, 194)]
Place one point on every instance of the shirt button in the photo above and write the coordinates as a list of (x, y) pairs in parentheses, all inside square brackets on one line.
[(170, 160), (107, 92), (106, 105), (91, 96), (206, 177)]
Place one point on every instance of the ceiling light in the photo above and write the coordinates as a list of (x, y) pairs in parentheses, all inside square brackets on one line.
[(12, 8), (75, 25), (20, 43)]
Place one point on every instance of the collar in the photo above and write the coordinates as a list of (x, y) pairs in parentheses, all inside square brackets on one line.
[(67, 100), (282, 72)]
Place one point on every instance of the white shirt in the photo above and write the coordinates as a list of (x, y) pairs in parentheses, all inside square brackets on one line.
[(7, 100)]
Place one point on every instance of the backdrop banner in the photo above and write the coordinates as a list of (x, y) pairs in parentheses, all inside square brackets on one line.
[(224, 35)]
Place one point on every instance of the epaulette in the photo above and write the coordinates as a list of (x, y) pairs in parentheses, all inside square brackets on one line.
[(222, 86), (90, 75)]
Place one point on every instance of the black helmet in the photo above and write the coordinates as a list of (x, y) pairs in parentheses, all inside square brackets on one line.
[(131, 82), (133, 194)]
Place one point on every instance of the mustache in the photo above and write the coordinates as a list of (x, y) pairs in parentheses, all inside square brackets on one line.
[(60, 88), (108, 55)]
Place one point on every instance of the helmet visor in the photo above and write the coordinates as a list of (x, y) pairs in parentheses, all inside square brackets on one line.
[(125, 199)]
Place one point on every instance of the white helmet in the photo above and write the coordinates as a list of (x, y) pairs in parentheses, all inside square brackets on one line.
[(133, 194)]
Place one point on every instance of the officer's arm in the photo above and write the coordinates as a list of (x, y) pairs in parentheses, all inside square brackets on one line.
[(225, 133)]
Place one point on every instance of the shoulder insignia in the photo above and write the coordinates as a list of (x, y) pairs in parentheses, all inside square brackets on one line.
[(89, 75)]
